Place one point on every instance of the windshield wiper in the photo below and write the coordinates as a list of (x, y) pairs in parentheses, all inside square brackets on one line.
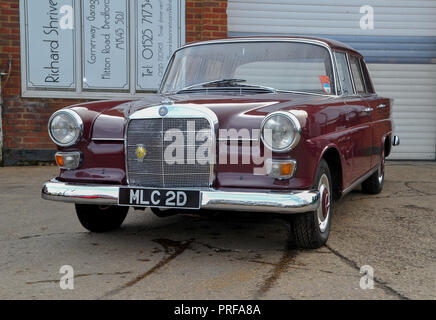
[(227, 83), (214, 83), (257, 86)]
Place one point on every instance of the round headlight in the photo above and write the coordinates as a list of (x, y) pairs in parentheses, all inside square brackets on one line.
[(65, 127), (281, 131)]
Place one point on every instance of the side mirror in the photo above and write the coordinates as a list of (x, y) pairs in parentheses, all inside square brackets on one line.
[(396, 141)]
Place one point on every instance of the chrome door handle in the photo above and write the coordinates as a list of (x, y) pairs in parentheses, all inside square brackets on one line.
[(368, 110), (381, 106)]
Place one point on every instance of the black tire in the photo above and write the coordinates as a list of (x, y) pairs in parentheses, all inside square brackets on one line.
[(163, 213), (307, 230), (101, 218), (374, 184)]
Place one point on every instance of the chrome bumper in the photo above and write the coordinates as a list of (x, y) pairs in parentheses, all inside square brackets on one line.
[(285, 203)]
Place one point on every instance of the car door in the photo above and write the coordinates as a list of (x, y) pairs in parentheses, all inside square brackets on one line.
[(380, 118), (358, 114)]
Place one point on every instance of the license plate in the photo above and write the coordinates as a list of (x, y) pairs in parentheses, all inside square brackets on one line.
[(159, 198)]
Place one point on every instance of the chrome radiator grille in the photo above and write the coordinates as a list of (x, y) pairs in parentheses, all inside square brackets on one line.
[(153, 170)]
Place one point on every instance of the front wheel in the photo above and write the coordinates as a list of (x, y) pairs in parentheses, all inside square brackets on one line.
[(101, 218), (311, 230), (163, 213)]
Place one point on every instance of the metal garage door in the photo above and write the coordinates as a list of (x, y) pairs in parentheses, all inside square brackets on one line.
[(400, 51)]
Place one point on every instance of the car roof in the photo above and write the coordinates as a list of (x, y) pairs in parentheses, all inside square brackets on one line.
[(333, 44)]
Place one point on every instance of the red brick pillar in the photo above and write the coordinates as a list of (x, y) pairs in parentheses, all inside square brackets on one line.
[(9, 49), (206, 20)]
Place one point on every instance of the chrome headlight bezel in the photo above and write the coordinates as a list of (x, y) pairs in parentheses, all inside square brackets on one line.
[(78, 123), (297, 131)]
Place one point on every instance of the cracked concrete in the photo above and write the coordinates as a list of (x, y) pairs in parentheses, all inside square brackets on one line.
[(228, 256)]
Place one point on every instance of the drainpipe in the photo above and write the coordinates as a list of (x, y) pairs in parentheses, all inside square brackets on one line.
[(1, 129), (2, 74)]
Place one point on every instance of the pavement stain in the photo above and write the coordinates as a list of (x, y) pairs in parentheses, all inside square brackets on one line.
[(282, 266), (382, 284), (48, 235), (287, 258), (83, 275), (177, 248), (217, 249), (415, 207), (416, 189)]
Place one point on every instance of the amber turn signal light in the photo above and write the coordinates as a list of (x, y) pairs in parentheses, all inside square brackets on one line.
[(59, 160), (287, 169), (281, 169), (68, 160)]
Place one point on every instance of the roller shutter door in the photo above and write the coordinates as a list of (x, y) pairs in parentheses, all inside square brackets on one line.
[(400, 52)]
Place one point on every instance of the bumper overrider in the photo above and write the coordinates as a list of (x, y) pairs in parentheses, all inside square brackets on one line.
[(273, 202)]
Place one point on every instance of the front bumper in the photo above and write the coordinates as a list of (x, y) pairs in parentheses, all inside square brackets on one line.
[(284, 203)]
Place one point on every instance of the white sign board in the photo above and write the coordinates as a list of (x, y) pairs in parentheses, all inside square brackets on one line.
[(106, 48), (157, 36), (105, 44), (50, 49)]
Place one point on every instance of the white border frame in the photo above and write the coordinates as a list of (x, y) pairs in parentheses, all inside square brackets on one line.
[(78, 93)]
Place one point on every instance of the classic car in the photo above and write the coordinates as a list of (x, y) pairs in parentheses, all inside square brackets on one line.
[(281, 125)]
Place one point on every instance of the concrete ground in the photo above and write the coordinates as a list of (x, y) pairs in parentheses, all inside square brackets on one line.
[(232, 256)]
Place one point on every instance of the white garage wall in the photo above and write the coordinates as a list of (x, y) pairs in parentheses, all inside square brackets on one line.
[(400, 51), (413, 87), (393, 17)]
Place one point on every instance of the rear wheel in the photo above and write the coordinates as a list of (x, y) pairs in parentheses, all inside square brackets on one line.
[(101, 218), (374, 184), (311, 230)]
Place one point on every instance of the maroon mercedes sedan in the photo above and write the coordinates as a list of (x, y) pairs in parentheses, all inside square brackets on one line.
[(282, 125)]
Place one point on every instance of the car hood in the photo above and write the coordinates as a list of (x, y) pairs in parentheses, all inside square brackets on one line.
[(233, 111)]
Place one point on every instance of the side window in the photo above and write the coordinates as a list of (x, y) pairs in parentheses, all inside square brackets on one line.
[(357, 75), (343, 74)]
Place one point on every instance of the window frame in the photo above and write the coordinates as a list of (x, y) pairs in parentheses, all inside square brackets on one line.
[(362, 79), (79, 92), (347, 69), (366, 78)]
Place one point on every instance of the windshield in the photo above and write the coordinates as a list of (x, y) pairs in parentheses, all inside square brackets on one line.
[(283, 66)]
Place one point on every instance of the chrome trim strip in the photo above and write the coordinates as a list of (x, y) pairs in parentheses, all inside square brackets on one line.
[(285, 203), (293, 202), (237, 139), (396, 141), (107, 139), (86, 194), (359, 181)]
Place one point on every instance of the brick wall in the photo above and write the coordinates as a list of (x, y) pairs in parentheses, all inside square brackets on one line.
[(206, 20), (24, 121)]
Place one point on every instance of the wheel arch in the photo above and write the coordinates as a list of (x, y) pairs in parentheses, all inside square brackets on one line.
[(332, 156)]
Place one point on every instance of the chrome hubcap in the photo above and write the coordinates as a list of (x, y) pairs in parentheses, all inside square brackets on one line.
[(381, 172), (323, 212)]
